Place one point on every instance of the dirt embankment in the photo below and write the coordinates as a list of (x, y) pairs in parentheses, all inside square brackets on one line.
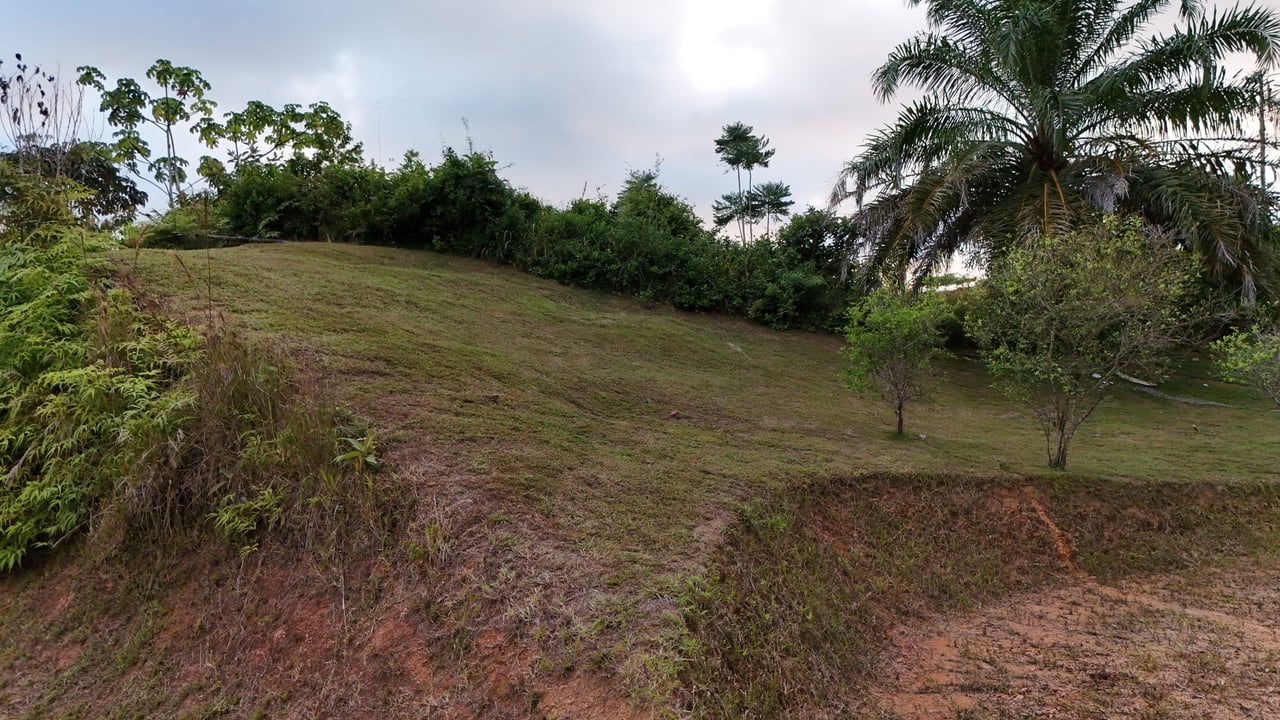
[(873, 597)]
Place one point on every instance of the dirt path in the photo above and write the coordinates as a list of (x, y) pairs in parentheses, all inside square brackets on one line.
[(1199, 644)]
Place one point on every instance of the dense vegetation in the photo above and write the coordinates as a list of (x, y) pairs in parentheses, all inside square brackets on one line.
[(645, 242), (121, 420), (727, 484), (1038, 113)]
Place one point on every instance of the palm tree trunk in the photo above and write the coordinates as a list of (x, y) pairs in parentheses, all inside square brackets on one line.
[(742, 223)]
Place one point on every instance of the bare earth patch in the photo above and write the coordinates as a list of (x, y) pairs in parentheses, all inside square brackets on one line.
[(1199, 644)]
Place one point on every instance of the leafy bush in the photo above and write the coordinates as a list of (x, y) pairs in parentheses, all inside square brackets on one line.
[(1252, 357), (139, 426), (1061, 316), (646, 242)]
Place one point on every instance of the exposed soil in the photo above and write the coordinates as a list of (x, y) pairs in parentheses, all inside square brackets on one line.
[(1197, 644)]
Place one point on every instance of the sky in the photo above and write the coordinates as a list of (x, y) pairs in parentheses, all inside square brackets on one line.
[(568, 95)]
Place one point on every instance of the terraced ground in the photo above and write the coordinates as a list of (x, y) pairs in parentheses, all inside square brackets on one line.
[(621, 510)]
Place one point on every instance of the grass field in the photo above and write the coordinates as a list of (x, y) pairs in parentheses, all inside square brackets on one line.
[(578, 459)]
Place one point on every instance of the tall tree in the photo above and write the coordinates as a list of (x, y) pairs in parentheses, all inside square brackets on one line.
[(1039, 112), (756, 153), (741, 149), (733, 147), (179, 102)]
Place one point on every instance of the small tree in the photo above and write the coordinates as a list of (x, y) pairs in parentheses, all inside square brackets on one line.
[(1252, 357), (1061, 317), (773, 201), (894, 337)]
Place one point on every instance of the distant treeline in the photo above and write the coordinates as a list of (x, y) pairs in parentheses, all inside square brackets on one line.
[(645, 242)]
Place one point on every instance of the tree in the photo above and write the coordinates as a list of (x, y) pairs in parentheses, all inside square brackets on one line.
[(1038, 113), (111, 198), (740, 148), (731, 208), (732, 146), (755, 154), (1252, 357), (772, 200), (822, 238), (181, 101), (894, 338), (261, 134), (40, 118), (1061, 317)]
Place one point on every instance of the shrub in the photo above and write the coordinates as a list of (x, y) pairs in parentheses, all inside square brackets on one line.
[(140, 426), (1252, 357)]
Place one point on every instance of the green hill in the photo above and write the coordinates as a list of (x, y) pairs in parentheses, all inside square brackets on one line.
[(608, 501)]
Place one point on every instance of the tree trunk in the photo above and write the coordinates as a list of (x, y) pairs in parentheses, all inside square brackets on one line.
[(1058, 457), (742, 223), (898, 410)]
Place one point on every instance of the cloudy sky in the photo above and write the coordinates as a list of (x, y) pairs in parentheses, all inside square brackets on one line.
[(567, 94)]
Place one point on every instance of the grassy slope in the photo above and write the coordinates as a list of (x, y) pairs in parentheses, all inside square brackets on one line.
[(546, 412)]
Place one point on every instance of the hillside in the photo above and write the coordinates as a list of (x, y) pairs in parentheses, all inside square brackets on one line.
[(605, 501)]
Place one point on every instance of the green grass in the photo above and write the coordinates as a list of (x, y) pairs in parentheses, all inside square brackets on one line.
[(525, 376), (551, 407)]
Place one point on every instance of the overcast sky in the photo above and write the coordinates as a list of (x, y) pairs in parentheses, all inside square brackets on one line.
[(567, 94)]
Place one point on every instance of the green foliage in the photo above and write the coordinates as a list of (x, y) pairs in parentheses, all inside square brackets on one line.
[(1252, 357), (1035, 114), (260, 134), (111, 198), (189, 224), (142, 425), (87, 382), (178, 101), (1061, 318), (646, 242), (362, 453), (238, 519), (894, 338)]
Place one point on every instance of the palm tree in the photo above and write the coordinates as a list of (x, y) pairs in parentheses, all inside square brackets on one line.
[(731, 207), (734, 148), (756, 153), (1039, 112), (741, 149), (773, 201)]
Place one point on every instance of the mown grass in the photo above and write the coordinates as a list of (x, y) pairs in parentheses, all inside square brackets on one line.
[(527, 379), (630, 435)]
